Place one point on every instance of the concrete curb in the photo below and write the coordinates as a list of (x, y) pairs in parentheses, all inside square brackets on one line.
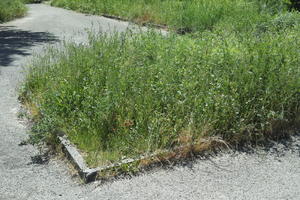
[(158, 26), (91, 174), (86, 173)]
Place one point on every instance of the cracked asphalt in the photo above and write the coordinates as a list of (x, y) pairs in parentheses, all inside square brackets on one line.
[(272, 173)]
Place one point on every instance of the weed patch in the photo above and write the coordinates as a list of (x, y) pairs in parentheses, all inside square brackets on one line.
[(191, 15), (235, 76), (10, 9), (129, 94)]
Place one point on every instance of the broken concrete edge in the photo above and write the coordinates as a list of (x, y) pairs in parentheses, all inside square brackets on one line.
[(92, 174), (163, 28), (146, 24), (76, 159), (204, 148), (87, 174)]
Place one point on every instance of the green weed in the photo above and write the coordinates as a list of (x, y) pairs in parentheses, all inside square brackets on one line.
[(10, 9), (130, 94), (236, 77), (182, 15)]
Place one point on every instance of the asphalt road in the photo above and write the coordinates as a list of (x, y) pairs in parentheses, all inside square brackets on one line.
[(264, 174)]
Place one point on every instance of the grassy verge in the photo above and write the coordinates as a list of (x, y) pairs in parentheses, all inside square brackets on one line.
[(184, 15), (10, 9), (131, 94), (235, 77)]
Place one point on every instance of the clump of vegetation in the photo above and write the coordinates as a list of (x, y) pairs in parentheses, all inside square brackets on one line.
[(236, 76), (130, 94), (10, 9), (182, 15)]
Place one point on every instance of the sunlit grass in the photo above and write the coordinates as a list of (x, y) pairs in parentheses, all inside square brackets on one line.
[(187, 15), (130, 94), (236, 76), (10, 9)]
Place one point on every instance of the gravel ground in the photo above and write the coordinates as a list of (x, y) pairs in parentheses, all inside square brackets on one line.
[(265, 174)]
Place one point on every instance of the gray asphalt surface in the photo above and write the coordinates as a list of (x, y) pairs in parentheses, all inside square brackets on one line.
[(264, 174)]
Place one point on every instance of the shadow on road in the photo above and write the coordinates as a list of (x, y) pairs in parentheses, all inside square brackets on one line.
[(17, 42)]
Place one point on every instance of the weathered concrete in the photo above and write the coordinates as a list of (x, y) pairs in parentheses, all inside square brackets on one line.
[(272, 174)]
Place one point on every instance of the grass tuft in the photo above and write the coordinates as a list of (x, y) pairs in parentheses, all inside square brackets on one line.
[(10, 9)]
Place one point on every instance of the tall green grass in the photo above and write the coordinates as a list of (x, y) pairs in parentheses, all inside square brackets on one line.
[(236, 77), (129, 94), (10, 9), (185, 15)]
